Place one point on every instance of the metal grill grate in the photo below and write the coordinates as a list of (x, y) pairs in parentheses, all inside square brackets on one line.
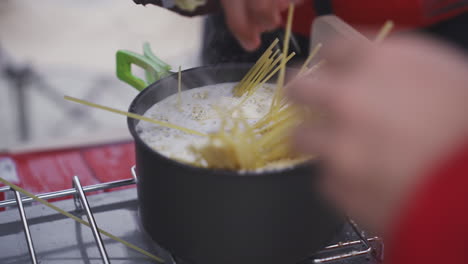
[(372, 247)]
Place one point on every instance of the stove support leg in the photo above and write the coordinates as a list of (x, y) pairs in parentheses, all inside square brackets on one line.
[(376, 252), (364, 240), (27, 233), (91, 220)]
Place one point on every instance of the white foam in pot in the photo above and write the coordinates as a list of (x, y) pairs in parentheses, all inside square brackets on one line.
[(196, 112)]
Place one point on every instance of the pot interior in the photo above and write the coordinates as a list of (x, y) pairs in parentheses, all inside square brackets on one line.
[(192, 78)]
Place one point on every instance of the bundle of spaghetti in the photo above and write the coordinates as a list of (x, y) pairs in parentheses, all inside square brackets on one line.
[(283, 106), (276, 134), (280, 103), (261, 68), (249, 89), (271, 120), (282, 74), (263, 71), (241, 146), (232, 147), (237, 145)]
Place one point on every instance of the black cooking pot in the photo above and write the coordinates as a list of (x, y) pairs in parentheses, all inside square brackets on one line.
[(207, 216)]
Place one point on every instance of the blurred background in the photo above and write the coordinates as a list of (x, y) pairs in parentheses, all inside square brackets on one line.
[(67, 47)]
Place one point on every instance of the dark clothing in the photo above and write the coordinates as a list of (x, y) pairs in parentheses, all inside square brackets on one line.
[(454, 31), (447, 19), (220, 46)]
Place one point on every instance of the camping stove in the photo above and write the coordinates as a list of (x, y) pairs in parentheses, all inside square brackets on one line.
[(33, 233)]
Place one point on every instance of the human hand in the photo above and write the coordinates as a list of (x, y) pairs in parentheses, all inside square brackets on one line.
[(248, 19), (391, 112)]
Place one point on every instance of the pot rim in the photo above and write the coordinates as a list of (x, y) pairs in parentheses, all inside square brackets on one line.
[(227, 173)]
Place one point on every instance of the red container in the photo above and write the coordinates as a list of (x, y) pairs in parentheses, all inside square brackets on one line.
[(53, 170)]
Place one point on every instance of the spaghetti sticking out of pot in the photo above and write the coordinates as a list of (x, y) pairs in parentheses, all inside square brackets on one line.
[(230, 114), (238, 145), (179, 89)]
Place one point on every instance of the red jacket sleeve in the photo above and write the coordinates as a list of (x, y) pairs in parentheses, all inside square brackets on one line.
[(372, 13), (434, 226)]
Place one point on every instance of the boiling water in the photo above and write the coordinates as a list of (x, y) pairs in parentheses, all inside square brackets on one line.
[(197, 111)]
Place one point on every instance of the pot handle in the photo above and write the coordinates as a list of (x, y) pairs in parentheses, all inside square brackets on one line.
[(154, 67)]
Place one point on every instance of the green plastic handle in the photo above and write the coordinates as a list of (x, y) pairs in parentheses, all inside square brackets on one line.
[(154, 67)]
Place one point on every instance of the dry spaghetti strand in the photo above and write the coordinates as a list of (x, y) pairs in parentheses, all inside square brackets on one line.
[(287, 36), (310, 57), (240, 88), (134, 116), (384, 31), (179, 89)]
